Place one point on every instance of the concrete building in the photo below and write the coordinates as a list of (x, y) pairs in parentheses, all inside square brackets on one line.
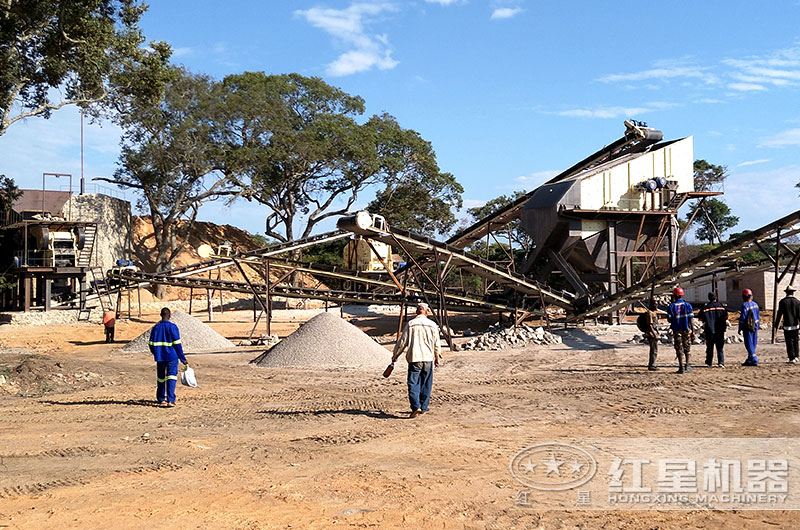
[(50, 240)]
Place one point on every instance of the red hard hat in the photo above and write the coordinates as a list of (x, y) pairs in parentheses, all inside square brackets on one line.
[(747, 292), (678, 291)]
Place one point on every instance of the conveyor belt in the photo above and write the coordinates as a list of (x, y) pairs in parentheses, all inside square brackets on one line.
[(265, 252), (469, 262), (455, 303), (636, 139), (699, 266)]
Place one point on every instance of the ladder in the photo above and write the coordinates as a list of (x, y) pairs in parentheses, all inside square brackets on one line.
[(84, 258), (99, 284)]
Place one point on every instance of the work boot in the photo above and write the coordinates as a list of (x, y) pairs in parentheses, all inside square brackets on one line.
[(680, 369), (652, 368), (414, 414)]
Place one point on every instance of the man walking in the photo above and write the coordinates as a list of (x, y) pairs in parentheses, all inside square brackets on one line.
[(646, 322), (748, 327), (789, 312), (165, 345), (715, 322), (420, 341), (679, 314)]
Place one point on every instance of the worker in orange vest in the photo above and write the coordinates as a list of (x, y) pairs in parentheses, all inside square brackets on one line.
[(109, 319)]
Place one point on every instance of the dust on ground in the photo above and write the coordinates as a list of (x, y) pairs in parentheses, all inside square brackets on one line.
[(256, 447)]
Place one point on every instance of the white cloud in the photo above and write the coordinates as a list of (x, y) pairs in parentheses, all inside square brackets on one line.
[(182, 51), (747, 87), (444, 2), (774, 187), (665, 71), (788, 138), (348, 26), (506, 12), (472, 203), (615, 111), (537, 178), (780, 68), (756, 73), (755, 162)]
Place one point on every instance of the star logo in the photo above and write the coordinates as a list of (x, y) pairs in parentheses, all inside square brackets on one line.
[(576, 467), (553, 465), (529, 466)]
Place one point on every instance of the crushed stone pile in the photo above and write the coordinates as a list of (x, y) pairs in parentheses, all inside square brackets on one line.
[(326, 340), (498, 337), (665, 337), (196, 336)]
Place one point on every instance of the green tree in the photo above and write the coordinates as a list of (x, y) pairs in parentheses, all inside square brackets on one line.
[(81, 50), (714, 222), (518, 235), (714, 216), (9, 193), (168, 156), (293, 144), (707, 176)]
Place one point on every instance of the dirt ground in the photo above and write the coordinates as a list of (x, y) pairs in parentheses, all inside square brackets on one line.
[(83, 446)]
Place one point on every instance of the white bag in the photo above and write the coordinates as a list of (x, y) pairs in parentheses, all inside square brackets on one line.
[(187, 377)]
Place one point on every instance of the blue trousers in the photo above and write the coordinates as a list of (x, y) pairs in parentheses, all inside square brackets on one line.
[(750, 342), (167, 379), (420, 383)]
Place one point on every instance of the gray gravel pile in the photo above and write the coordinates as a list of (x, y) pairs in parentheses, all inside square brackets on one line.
[(326, 340), (196, 336), (500, 338)]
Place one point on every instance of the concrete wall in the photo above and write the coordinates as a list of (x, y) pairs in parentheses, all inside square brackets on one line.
[(698, 295), (756, 282), (114, 237)]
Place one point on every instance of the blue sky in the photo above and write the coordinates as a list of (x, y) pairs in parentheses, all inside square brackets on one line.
[(508, 92)]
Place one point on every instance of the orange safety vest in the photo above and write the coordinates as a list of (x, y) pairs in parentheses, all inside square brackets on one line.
[(109, 319)]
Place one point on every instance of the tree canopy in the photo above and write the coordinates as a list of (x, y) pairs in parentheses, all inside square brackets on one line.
[(9, 193), (714, 222), (169, 157), (518, 235), (61, 52), (293, 143), (713, 215), (707, 175)]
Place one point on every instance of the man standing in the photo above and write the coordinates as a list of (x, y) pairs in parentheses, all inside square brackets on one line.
[(789, 311), (748, 326), (109, 321), (679, 314), (646, 322), (165, 345), (420, 341), (715, 322)]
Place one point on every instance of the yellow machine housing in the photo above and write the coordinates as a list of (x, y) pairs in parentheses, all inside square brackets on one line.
[(357, 255)]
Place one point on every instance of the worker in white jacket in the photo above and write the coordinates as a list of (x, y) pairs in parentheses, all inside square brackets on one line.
[(420, 341)]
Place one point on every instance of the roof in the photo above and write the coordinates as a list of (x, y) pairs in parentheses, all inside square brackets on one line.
[(31, 201)]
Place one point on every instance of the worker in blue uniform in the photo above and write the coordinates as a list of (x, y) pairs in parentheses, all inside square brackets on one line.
[(748, 326), (165, 345), (680, 315)]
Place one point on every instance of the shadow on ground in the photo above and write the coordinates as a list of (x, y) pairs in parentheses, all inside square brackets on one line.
[(378, 414), (578, 338), (126, 402)]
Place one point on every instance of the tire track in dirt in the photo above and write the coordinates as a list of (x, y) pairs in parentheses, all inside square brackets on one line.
[(35, 488), (67, 452)]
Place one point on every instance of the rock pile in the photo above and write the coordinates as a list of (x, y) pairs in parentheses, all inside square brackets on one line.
[(665, 337), (196, 336), (499, 338), (326, 340)]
